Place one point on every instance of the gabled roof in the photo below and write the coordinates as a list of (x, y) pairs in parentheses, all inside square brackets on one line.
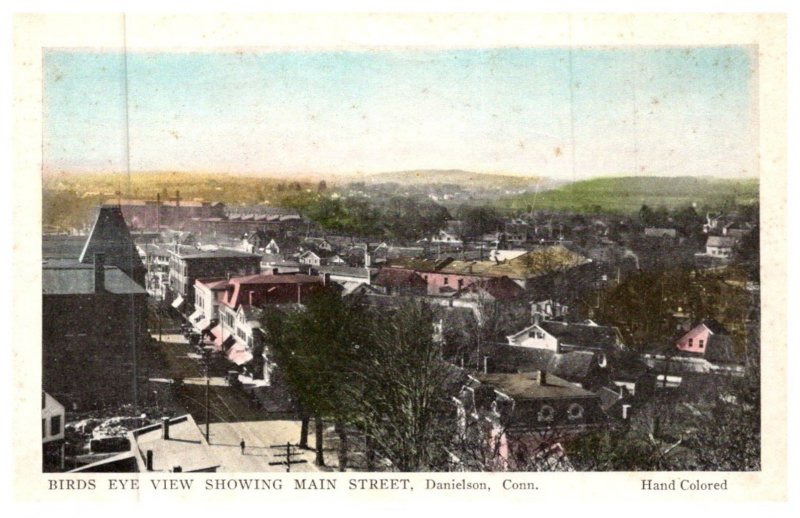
[(500, 288), (572, 366), (524, 386), (110, 236), (582, 335), (392, 277)]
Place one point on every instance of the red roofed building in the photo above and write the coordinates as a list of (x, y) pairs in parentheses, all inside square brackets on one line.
[(400, 281), (238, 305)]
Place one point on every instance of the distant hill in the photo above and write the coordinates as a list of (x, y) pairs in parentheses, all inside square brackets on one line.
[(628, 194), (455, 177)]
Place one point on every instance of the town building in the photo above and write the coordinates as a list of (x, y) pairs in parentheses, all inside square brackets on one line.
[(188, 264), (93, 331), (165, 213), (94, 311), (512, 416)]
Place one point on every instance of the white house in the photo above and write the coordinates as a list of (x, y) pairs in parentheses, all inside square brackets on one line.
[(310, 258), (53, 417), (444, 237), (720, 246), (562, 337)]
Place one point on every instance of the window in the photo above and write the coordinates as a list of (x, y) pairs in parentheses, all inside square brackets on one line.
[(690, 341), (701, 344), (546, 413), (55, 425), (446, 281), (575, 411)]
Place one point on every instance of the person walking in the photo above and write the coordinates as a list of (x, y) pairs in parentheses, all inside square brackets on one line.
[(242, 445)]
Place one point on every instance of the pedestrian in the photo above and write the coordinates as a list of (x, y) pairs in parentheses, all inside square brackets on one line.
[(241, 444)]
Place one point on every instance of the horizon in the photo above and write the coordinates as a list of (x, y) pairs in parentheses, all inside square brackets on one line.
[(558, 113)]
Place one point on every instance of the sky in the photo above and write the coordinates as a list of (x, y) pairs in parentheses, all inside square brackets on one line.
[(557, 112)]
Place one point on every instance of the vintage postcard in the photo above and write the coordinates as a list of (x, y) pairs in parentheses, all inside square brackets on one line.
[(472, 256)]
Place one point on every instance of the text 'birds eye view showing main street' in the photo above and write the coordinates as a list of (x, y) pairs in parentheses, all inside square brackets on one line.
[(401, 261)]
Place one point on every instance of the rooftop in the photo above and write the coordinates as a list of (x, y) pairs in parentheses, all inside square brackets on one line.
[(525, 386), (63, 277), (582, 335)]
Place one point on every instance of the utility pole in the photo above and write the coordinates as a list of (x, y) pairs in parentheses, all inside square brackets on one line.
[(206, 361), (289, 454)]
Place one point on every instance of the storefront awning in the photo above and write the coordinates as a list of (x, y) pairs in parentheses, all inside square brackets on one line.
[(196, 317), (228, 343), (239, 354), (178, 302), (204, 325)]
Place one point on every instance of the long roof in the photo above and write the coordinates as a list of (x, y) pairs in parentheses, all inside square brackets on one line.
[(540, 261), (524, 386), (73, 278), (582, 335)]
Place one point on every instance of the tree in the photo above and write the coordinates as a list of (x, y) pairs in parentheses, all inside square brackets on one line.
[(479, 220), (314, 347), (398, 387)]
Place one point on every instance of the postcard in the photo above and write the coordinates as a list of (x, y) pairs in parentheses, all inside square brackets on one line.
[(473, 256)]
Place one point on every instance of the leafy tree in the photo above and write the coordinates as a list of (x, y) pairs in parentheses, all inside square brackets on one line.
[(400, 388), (314, 347), (479, 220)]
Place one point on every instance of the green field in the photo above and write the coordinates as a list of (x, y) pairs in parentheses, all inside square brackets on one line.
[(628, 194)]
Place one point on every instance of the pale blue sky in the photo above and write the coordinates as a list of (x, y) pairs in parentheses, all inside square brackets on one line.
[(657, 111)]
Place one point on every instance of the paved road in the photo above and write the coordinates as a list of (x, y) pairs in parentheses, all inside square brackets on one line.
[(232, 417)]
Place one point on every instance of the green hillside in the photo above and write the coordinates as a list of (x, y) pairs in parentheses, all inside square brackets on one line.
[(628, 194)]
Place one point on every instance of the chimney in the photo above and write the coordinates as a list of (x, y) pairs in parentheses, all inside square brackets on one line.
[(149, 460), (99, 273), (367, 260), (250, 297), (626, 412), (537, 317), (165, 428), (486, 365)]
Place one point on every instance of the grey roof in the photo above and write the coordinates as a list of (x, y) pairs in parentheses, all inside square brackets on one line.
[(73, 278), (62, 247), (572, 366), (509, 358), (608, 398), (350, 271), (582, 335), (217, 254), (720, 349), (723, 241)]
